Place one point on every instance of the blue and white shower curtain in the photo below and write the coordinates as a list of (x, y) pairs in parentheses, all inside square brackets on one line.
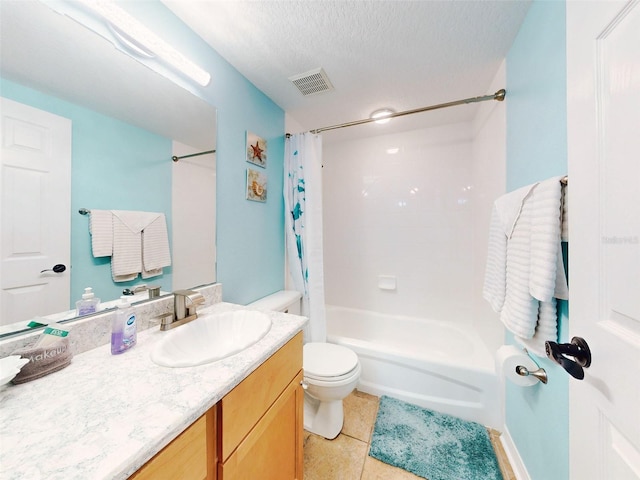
[(303, 227)]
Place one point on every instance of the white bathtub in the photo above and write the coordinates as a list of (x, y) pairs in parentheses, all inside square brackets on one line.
[(424, 362)]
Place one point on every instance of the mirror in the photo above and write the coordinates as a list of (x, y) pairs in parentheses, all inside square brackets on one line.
[(55, 60)]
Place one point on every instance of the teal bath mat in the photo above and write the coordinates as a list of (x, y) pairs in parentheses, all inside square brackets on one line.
[(432, 445)]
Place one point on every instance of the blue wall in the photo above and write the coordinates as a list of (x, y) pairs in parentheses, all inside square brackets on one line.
[(111, 165), (538, 417)]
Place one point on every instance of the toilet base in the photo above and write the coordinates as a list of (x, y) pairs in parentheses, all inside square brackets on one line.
[(323, 418)]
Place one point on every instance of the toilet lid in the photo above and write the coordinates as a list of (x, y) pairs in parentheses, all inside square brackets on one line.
[(327, 359)]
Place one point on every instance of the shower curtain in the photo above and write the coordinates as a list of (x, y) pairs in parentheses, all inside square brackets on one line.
[(303, 227)]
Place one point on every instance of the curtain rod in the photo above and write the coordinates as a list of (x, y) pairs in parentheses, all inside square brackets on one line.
[(499, 96), (175, 159)]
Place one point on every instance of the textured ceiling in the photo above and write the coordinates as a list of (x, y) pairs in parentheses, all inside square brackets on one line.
[(396, 54)]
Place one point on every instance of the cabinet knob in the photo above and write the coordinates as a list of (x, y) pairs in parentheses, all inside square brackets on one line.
[(304, 384)]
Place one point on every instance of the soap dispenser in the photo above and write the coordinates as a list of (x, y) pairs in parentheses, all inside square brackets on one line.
[(123, 327), (88, 304)]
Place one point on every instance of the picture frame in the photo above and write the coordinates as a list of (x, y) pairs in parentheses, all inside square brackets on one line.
[(256, 185), (256, 150)]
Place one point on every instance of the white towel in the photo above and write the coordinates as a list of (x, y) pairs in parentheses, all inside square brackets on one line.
[(494, 287), (155, 248), (525, 273), (520, 310), (509, 207), (101, 229), (126, 261), (546, 329), (565, 212), (547, 278), (505, 213), (140, 245)]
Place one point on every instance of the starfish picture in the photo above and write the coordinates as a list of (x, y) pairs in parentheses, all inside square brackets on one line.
[(256, 150)]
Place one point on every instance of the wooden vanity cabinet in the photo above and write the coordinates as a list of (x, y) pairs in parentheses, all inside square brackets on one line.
[(260, 423), (187, 456), (254, 432)]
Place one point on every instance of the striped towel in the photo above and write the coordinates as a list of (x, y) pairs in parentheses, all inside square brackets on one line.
[(505, 214), (101, 229), (565, 213), (140, 245), (525, 273), (155, 248)]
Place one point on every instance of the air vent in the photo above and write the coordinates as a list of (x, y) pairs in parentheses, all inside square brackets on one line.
[(312, 82)]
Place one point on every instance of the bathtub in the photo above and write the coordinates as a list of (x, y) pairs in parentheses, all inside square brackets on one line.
[(425, 362)]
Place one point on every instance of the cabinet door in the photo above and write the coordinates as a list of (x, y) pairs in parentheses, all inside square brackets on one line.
[(273, 449), (243, 407), (186, 457)]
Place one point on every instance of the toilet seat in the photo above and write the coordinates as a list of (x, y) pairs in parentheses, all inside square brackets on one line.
[(328, 362)]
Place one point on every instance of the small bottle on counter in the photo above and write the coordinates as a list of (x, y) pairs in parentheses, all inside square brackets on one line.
[(123, 327), (88, 304)]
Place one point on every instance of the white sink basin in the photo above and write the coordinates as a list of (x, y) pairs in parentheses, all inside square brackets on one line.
[(210, 337)]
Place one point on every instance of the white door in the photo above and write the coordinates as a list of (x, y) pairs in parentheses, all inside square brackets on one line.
[(35, 212), (603, 79)]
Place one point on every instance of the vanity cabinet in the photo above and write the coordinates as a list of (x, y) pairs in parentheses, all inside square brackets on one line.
[(254, 432), (186, 457), (260, 421)]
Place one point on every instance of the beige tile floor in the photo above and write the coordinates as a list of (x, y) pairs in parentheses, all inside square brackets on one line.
[(346, 457)]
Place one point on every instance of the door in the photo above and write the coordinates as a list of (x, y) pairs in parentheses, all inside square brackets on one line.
[(35, 212), (603, 79)]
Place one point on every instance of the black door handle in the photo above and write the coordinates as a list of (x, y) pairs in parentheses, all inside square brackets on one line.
[(578, 349), (59, 268)]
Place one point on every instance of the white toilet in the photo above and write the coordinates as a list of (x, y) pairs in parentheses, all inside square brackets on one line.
[(331, 372)]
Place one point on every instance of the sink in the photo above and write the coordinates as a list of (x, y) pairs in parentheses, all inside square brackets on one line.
[(210, 337)]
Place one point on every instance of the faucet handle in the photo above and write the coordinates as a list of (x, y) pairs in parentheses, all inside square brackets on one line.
[(195, 298), (185, 302)]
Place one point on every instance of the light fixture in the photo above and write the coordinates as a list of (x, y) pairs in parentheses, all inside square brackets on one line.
[(382, 115), (136, 38)]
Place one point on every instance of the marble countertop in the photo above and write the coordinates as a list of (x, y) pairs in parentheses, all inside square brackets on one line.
[(104, 416)]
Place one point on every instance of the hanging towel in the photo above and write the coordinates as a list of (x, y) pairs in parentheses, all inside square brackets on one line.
[(565, 212), (126, 260), (129, 244), (525, 273), (546, 329), (101, 229), (155, 248), (547, 278), (520, 310), (505, 213)]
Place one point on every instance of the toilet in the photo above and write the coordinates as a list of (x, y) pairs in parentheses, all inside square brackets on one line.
[(331, 372)]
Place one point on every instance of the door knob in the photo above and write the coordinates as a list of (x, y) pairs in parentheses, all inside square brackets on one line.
[(578, 349), (59, 268)]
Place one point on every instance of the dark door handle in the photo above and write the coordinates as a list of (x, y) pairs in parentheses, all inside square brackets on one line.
[(59, 268), (578, 349)]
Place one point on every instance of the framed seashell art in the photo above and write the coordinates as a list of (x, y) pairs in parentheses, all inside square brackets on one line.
[(256, 185)]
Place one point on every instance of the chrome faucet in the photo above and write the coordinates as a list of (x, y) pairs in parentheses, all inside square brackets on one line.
[(184, 309), (154, 290)]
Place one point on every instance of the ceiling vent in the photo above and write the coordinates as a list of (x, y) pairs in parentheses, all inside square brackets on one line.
[(312, 82)]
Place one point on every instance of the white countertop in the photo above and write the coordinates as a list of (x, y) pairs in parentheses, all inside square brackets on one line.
[(104, 416)]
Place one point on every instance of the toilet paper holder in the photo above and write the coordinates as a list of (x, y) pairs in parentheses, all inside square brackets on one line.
[(540, 373)]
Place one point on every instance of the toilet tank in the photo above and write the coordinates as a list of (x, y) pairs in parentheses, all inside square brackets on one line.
[(287, 301)]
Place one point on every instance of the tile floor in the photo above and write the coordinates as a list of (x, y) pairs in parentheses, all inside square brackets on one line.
[(346, 457)]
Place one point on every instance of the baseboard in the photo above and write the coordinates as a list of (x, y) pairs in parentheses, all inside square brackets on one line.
[(517, 465)]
